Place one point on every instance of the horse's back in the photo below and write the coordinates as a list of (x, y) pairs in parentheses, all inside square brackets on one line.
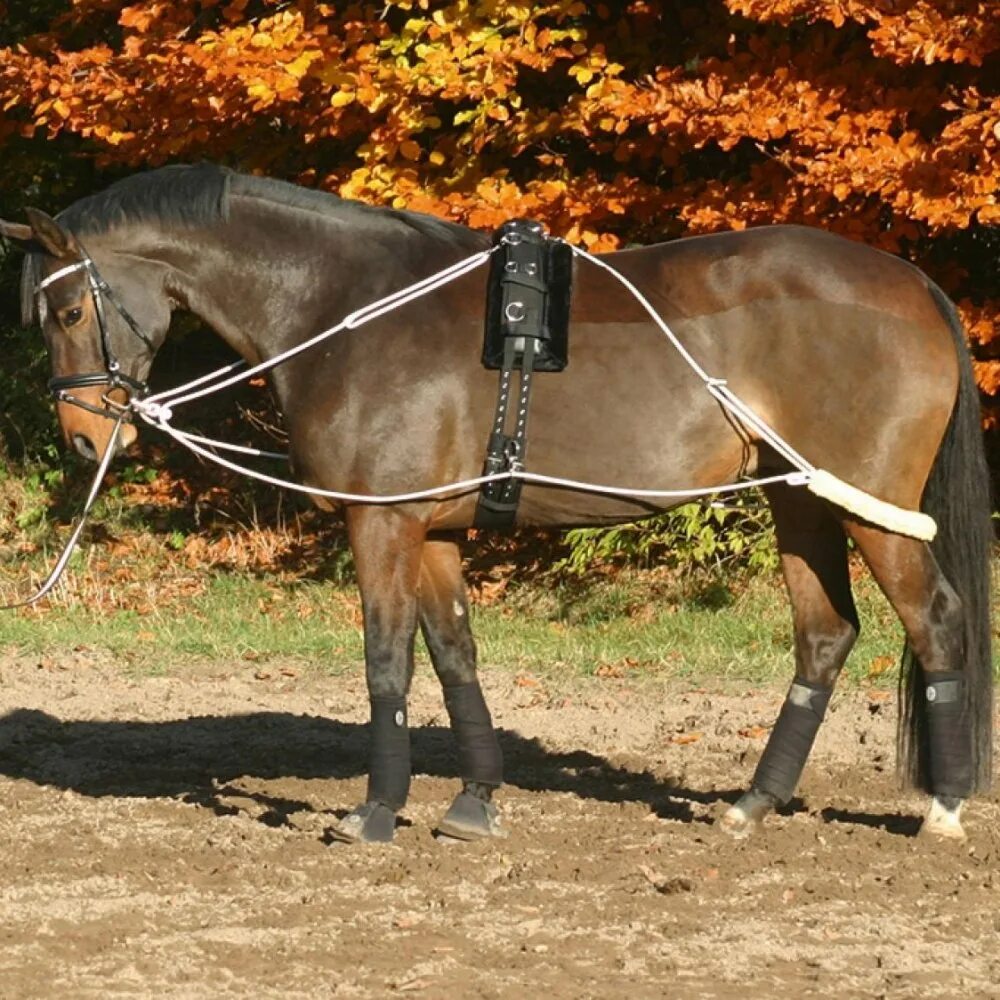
[(841, 348)]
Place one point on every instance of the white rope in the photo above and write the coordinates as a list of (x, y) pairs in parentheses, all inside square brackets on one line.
[(57, 571), (175, 397), (157, 410), (278, 456), (716, 386), (191, 441)]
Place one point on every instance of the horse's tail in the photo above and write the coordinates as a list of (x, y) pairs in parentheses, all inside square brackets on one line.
[(957, 496)]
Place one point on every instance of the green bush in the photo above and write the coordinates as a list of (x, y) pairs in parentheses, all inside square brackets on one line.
[(737, 534)]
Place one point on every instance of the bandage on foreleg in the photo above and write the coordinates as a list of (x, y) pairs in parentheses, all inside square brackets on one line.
[(480, 759), (389, 767)]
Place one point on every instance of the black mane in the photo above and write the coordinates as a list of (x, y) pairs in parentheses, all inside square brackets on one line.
[(332, 206), (196, 195), (188, 196), (180, 195)]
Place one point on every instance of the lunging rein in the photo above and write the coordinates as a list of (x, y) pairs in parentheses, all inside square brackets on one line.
[(158, 410)]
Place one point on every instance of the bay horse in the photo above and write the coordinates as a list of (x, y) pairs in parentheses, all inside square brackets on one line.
[(853, 356)]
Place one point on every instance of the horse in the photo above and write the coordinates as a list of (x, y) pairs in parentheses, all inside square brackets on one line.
[(852, 355)]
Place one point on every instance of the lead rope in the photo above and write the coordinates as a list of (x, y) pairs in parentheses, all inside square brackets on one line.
[(57, 571)]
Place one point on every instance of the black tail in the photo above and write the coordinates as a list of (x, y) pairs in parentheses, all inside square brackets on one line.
[(957, 496)]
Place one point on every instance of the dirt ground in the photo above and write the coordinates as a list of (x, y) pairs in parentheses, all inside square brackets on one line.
[(167, 836)]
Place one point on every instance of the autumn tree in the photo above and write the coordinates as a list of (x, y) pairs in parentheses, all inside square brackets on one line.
[(611, 122)]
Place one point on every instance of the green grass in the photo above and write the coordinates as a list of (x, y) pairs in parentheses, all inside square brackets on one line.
[(738, 632), (635, 624), (154, 596)]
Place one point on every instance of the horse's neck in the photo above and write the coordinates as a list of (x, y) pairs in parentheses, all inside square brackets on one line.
[(272, 276), (229, 277)]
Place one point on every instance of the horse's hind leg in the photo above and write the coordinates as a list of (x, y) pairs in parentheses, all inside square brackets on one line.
[(387, 547), (933, 617), (813, 551), (444, 620)]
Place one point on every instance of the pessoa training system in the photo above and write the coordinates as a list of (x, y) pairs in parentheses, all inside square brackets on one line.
[(526, 332)]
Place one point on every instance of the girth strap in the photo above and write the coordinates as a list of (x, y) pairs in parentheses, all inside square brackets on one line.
[(527, 319), (498, 501)]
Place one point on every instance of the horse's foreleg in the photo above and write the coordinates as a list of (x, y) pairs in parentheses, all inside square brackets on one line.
[(387, 547), (813, 551), (444, 621), (933, 617)]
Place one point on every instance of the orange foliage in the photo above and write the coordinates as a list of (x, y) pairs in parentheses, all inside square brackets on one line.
[(610, 122)]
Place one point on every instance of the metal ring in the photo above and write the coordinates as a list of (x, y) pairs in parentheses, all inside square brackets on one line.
[(515, 312)]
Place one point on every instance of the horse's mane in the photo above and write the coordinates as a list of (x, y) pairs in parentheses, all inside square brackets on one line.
[(190, 196), (183, 196)]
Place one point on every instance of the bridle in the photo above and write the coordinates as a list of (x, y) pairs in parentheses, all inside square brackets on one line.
[(112, 376)]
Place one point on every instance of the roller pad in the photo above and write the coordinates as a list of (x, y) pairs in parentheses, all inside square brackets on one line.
[(948, 737), (791, 739), (389, 760), (479, 757)]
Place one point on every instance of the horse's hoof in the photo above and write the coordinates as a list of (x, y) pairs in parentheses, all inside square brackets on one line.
[(740, 820), (371, 823), (943, 823), (737, 824), (470, 818)]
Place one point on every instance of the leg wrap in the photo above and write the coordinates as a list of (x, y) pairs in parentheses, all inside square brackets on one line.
[(791, 739), (389, 762), (479, 756), (949, 740)]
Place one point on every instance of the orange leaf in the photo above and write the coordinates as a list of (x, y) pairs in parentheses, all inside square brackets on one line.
[(681, 739)]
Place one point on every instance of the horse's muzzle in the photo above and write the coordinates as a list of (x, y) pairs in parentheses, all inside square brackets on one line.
[(89, 418)]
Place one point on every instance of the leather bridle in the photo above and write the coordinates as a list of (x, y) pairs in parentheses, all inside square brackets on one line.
[(112, 376)]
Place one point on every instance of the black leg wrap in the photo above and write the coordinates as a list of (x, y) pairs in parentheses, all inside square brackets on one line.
[(480, 760), (389, 762), (791, 739), (948, 736)]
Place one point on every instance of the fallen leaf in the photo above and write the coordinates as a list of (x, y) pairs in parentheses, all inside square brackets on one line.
[(610, 670), (880, 664), (411, 985), (682, 738)]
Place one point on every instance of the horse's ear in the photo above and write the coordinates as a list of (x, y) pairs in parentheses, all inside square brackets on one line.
[(16, 232), (50, 235)]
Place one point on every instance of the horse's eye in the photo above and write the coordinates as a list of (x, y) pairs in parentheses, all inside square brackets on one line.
[(72, 316)]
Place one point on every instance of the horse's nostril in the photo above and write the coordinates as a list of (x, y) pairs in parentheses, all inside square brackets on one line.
[(85, 446)]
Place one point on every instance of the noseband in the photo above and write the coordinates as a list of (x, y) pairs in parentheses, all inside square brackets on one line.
[(112, 376)]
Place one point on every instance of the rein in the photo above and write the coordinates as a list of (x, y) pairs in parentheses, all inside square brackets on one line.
[(158, 410)]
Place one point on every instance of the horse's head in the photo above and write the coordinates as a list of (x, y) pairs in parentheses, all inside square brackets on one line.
[(103, 314)]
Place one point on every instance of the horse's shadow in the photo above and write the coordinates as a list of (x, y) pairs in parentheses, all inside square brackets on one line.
[(197, 759)]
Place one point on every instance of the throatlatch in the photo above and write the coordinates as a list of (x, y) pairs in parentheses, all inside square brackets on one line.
[(527, 325)]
